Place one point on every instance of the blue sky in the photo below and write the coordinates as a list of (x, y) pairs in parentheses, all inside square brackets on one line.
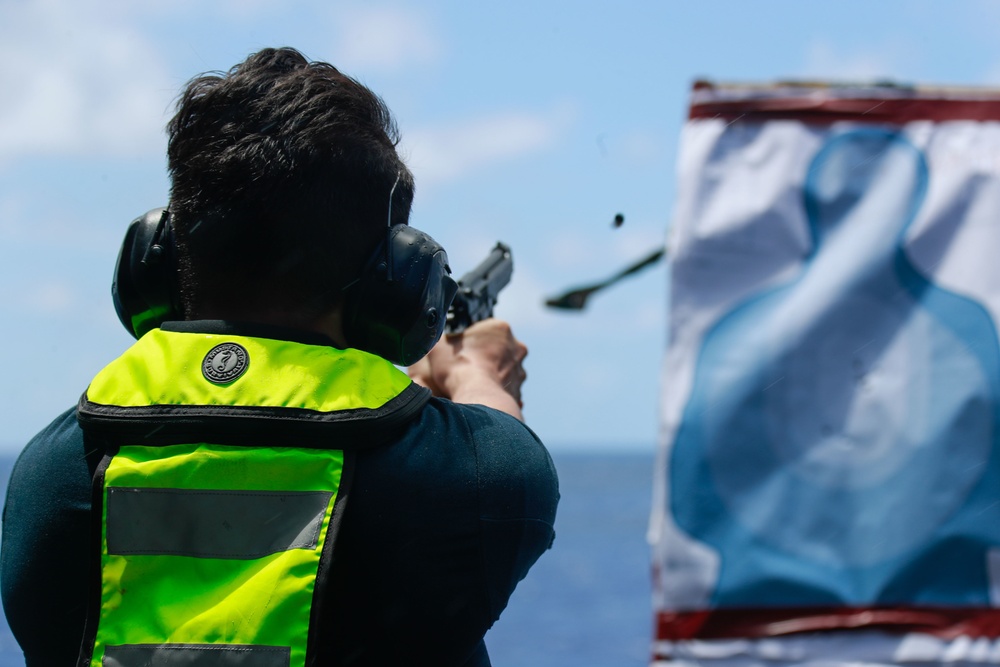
[(528, 122)]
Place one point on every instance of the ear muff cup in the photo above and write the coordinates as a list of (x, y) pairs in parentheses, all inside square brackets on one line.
[(144, 287), (397, 309)]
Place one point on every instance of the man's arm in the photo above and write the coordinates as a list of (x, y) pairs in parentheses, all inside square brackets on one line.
[(483, 365)]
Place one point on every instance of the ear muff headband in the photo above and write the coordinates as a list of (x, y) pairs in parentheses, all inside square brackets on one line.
[(144, 287), (398, 308)]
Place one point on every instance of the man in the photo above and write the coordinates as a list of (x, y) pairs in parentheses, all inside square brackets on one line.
[(212, 435)]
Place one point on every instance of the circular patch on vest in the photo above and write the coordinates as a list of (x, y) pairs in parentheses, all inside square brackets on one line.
[(225, 362)]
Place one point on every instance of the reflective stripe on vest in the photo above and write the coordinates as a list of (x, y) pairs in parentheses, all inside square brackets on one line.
[(210, 552)]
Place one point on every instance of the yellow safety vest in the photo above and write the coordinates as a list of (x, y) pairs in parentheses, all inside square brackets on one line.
[(227, 470)]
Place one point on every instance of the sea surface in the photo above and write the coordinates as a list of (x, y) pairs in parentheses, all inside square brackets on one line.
[(586, 603)]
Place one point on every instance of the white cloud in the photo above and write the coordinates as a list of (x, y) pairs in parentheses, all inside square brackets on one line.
[(522, 303), (76, 81), (638, 147), (384, 38), (635, 243), (51, 298), (614, 251), (570, 251), (991, 75), (24, 226), (824, 61), (447, 153)]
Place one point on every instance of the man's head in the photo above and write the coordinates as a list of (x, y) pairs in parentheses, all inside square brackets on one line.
[(281, 172)]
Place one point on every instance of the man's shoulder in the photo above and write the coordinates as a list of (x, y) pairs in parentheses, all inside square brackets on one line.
[(61, 437), (509, 457), (56, 458), (457, 443), (485, 424)]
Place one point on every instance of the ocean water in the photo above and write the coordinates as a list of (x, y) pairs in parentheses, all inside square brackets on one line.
[(586, 603)]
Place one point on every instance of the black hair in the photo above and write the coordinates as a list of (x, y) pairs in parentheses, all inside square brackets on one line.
[(281, 171)]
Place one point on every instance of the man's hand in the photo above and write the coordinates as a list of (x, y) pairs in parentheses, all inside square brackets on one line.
[(481, 365)]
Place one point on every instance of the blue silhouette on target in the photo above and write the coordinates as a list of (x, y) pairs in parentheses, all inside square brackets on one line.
[(838, 444)]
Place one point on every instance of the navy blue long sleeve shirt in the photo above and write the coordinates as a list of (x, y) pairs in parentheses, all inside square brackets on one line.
[(439, 528)]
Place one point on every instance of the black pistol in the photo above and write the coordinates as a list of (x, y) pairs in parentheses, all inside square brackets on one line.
[(478, 290)]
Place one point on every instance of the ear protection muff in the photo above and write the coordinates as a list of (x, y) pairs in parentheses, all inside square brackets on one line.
[(398, 308), (144, 286)]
